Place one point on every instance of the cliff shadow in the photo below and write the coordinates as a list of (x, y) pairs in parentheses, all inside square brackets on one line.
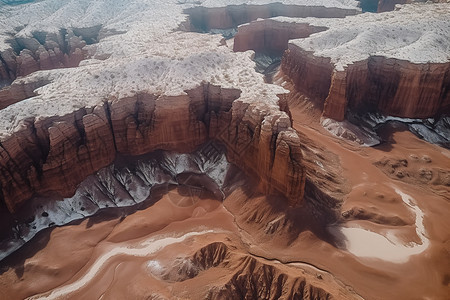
[(203, 19)]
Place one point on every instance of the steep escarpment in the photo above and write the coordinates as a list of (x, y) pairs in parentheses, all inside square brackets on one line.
[(40, 50), (128, 184), (379, 84), (18, 91), (309, 74), (375, 63), (270, 36), (203, 19), (53, 155)]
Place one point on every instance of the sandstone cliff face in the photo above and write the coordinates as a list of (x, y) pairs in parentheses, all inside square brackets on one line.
[(54, 155), (270, 36), (249, 133), (45, 51), (19, 91), (378, 84), (203, 19), (309, 74)]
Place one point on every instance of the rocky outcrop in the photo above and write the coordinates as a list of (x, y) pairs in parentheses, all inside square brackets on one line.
[(270, 36), (247, 277), (125, 184), (203, 19), (18, 91), (53, 155), (379, 84), (309, 74), (256, 280), (45, 51)]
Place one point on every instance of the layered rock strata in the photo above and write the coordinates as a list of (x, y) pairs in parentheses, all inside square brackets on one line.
[(377, 64), (45, 51), (378, 84), (127, 182), (203, 19), (18, 91), (269, 36), (53, 155)]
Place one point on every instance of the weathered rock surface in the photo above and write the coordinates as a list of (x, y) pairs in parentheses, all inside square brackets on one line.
[(205, 18), (388, 5), (127, 182), (309, 74), (256, 280), (53, 155), (390, 86), (18, 91), (374, 78), (45, 51), (249, 277), (270, 36)]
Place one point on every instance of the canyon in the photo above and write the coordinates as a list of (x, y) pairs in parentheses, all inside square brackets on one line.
[(182, 172)]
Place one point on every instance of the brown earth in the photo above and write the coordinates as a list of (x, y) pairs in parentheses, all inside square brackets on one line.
[(259, 247)]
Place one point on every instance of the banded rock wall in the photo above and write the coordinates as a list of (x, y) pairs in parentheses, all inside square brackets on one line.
[(391, 86), (45, 51), (203, 19), (270, 36), (54, 155)]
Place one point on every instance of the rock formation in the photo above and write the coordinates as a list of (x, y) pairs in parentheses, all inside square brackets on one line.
[(45, 51), (132, 147), (250, 277), (270, 36), (390, 86), (18, 91), (56, 154), (403, 84), (128, 182), (203, 19)]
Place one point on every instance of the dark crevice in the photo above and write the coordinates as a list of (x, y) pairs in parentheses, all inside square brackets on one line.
[(267, 64), (11, 74), (40, 36), (107, 108), (65, 45), (80, 126), (89, 34)]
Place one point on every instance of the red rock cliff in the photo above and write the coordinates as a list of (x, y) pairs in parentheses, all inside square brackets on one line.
[(45, 51), (204, 19), (270, 36), (54, 155), (390, 86)]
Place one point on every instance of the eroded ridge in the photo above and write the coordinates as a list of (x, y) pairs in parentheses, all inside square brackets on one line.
[(393, 74), (204, 18), (55, 154), (127, 182)]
